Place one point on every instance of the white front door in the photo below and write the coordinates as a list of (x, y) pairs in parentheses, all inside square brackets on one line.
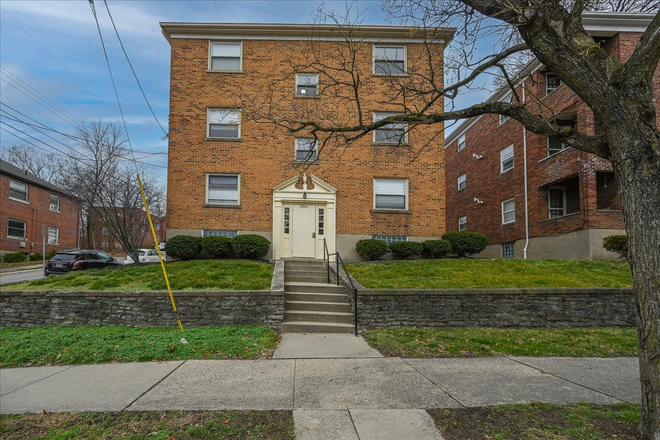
[(304, 230)]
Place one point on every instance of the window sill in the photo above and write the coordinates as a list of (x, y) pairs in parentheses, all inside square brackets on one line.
[(507, 224), (461, 189), (390, 144), (390, 211), (506, 171), (19, 200), (224, 139), (307, 96), (572, 214), (211, 205), (388, 75), (555, 154), (308, 162), (52, 210), (225, 71), (16, 238)]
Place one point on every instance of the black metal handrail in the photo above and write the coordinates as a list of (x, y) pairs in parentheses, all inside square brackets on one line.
[(339, 259)]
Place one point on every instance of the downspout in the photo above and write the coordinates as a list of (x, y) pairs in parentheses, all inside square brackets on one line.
[(525, 174)]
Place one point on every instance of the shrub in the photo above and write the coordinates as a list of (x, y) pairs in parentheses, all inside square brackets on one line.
[(51, 254), (371, 249), (616, 243), (406, 249), (250, 246), (183, 247), (14, 257), (464, 243), (436, 248), (36, 256), (216, 247)]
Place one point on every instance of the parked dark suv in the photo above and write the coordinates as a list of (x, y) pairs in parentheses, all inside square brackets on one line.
[(67, 261)]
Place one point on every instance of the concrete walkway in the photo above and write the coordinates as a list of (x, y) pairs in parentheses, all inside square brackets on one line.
[(331, 398), (323, 346)]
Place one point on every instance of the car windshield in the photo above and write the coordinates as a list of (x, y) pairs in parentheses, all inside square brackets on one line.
[(65, 257)]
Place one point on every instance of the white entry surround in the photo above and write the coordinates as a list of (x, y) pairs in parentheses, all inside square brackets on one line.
[(303, 217)]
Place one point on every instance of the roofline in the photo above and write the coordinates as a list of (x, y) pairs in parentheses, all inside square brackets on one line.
[(322, 32), (600, 24), (29, 179)]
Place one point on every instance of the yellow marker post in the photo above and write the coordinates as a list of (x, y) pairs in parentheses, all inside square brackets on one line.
[(160, 256)]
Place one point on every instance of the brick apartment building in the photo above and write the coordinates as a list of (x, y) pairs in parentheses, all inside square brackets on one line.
[(30, 203), (106, 241), (230, 175), (572, 200)]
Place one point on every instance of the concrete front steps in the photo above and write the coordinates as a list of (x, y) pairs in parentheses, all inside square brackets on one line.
[(312, 305)]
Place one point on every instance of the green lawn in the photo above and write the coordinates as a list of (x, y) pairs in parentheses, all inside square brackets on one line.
[(156, 425), (539, 421), (455, 342), (481, 274), (189, 275), (63, 345), (19, 264)]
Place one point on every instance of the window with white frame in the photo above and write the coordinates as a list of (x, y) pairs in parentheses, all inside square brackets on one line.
[(306, 150), (53, 235), (226, 56), (508, 99), (462, 223), (506, 159), (105, 231), (391, 194), (389, 60), (222, 189), (389, 239), (395, 133), (16, 229), (552, 82), (219, 233), (556, 201), (307, 84), (157, 226), (104, 244), (118, 245), (509, 250), (224, 123), (18, 191), (54, 203), (462, 181), (508, 211), (460, 146)]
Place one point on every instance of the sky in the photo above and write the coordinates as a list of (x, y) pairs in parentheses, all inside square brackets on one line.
[(53, 71)]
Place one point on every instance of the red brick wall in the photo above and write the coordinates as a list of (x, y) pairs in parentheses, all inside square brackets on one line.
[(484, 180), (36, 213), (264, 154)]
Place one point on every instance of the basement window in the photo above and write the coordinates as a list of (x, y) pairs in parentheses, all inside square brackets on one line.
[(509, 250), (219, 233), (389, 239)]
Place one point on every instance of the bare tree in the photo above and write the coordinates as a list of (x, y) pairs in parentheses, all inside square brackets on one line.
[(620, 94), (46, 166), (103, 176)]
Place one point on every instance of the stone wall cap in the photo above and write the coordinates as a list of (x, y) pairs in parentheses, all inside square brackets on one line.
[(144, 293), (508, 291)]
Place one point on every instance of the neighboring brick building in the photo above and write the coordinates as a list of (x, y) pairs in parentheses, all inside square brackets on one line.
[(30, 203), (229, 175), (104, 239), (572, 196)]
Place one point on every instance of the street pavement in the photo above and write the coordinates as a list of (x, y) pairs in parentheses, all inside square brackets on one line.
[(18, 276), (331, 398)]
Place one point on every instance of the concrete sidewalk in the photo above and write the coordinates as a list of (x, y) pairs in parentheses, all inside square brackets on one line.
[(362, 397)]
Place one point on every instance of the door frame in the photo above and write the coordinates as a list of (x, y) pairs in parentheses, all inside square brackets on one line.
[(319, 194)]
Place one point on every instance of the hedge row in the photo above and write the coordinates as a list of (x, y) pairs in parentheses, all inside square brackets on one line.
[(19, 257), (460, 244), (186, 247)]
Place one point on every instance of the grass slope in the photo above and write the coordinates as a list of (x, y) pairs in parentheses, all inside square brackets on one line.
[(189, 275), (60, 345), (539, 421), (454, 342), (227, 425), (480, 274)]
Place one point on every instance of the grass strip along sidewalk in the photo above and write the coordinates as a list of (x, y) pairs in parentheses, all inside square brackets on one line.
[(456, 342), (539, 421), (490, 274), (60, 345), (229, 425), (189, 275)]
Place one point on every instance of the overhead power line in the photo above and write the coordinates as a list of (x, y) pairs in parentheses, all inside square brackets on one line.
[(132, 70)]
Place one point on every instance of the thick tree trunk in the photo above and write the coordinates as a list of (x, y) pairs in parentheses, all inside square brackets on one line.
[(636, 159)]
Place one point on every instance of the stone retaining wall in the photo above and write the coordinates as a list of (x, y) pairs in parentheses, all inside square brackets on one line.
[(496, 308), (141, 309)]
